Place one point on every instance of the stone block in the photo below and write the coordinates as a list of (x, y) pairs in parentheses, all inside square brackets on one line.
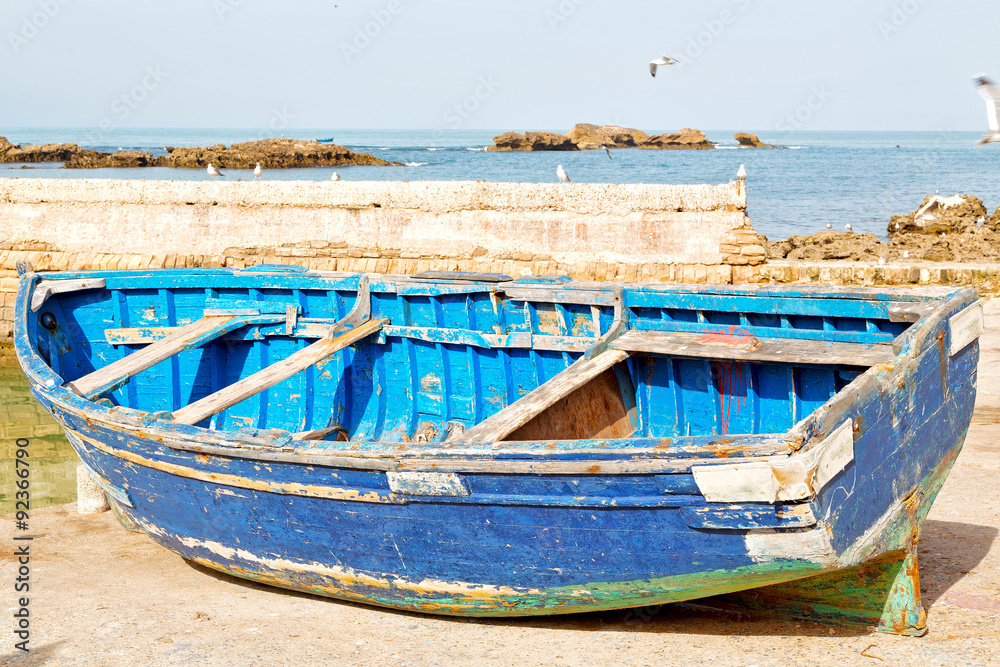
[(90, 496)]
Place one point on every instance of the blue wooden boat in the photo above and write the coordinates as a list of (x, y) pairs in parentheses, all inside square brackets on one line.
[(475, 445), (325, 141)]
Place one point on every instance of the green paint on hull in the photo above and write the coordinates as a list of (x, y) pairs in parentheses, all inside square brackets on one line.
[(883, 592), (486, 601)]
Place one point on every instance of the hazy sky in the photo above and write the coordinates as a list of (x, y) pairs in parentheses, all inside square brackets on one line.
[(761, 65)]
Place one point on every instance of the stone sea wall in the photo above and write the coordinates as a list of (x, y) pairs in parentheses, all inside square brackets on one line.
[(635, 233), (465, 221), (594, 231)]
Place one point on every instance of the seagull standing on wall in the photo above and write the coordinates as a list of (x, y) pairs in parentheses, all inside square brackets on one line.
[(561, 173), (989, 92), (334, 176), (212, 171), (256, 171), (662, 60)]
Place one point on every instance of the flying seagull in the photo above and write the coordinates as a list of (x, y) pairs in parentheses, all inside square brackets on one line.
[(606, 150), (662, 60), (212, 171), (256, 171), (334, 176), (561, 173), (989, 92)]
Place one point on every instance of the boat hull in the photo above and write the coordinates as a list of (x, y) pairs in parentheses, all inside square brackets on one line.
[(500, 560), (462, 509)]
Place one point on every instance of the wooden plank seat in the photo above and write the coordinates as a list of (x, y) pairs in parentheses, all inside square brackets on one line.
[(529, 406), (754, 348), (189, 337), (107, 379), (273, 374)]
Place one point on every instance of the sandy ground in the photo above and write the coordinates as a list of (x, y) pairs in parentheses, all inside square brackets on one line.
[(103, 596)]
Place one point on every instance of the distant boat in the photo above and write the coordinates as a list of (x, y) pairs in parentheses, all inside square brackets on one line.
[(469, 444), (325, 141)]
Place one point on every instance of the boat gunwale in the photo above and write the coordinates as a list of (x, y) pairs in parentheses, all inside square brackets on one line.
[(543, 458), (387, 283), (910, 345)]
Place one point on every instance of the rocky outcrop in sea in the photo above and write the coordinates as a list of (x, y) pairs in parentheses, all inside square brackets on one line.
[(590, 137), (942, 229), (684, 139), (585, 136), (532, 141), (270, 153), (747, 140)]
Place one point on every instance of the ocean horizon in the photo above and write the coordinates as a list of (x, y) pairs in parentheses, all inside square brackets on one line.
[(856, 177)]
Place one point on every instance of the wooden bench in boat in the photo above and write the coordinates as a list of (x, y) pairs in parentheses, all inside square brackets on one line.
[(189, 337), (352, 328), (115, 374), (273, 374), (754, 348), (526, 408)]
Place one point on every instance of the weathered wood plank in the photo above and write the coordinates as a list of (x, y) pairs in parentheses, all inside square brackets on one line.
[(527, 407), (273, 374), (46, 288), (597, 410), (225, 327), (321, 433), (752, 348), (255, 306), (549, 294), (966, 326), (480, 464), (138, 335), (474, 276), (319, 328), (105, 379)]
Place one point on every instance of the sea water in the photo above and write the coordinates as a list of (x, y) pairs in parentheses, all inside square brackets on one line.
[(861, 178), (51, 461)]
